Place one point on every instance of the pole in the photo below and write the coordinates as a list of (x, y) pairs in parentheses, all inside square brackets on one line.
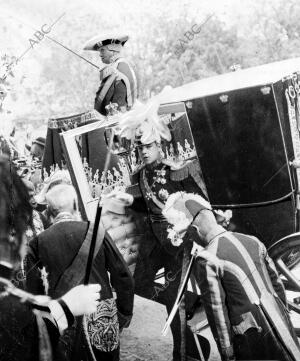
[(180, 294), (90, 258), (97, 217)]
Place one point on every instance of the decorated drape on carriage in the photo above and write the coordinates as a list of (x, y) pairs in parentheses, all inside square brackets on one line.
[(92, 146)]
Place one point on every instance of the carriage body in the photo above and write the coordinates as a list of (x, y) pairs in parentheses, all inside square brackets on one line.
[(245, 127)]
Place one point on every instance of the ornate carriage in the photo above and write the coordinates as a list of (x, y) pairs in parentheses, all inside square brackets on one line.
[(243, 128)]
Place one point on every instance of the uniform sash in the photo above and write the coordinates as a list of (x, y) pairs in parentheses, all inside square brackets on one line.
[(74, 274)]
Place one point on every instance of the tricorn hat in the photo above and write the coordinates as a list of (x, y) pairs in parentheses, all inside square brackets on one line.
[(113, 40)]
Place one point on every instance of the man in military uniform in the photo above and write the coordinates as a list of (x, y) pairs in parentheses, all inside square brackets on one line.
[(243, 295), (153, 182), (118, 87)]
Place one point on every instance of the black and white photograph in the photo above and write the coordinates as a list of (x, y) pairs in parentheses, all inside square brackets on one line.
[(149, 180)]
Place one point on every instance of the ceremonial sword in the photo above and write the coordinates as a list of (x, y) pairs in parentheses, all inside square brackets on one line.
[(181, 291)]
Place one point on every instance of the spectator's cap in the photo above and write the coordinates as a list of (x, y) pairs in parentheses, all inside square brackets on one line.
[(40, 141), (114, 42)]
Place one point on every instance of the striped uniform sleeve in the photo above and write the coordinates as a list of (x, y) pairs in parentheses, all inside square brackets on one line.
[(273, 273), (214, 303), (128, 77)]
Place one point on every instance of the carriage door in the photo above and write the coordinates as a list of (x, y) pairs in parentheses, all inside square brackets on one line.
[(181, 148)]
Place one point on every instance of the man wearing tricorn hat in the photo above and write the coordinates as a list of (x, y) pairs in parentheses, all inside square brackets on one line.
[(153, 182), (118, 87)]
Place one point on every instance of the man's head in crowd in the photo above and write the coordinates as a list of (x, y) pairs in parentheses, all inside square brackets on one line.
[(15, 213), (37, 148), (31, 192), (62, 198)]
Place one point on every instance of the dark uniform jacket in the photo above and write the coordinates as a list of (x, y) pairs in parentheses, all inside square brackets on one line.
[(22, 335), (244, 298), (153, 184), (55, 249), (18, 331), (118, 85)]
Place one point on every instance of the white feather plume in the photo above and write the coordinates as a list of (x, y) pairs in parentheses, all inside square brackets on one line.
[(143, 120), (178, 215)]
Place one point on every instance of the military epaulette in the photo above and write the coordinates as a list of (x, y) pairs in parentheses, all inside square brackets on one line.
[(180, 171), (184, 169)]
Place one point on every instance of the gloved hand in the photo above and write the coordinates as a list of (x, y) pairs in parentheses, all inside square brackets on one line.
[(83, 299)]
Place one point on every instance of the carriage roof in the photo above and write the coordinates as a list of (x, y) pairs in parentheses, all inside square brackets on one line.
[(241, 79)]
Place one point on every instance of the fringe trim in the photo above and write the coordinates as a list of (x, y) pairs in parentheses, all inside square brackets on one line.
[(189, 168)]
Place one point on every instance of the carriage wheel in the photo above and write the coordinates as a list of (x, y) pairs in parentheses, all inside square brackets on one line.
[(286, 256)]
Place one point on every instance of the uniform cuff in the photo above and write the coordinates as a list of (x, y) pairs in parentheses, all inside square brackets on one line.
[(59, 316)]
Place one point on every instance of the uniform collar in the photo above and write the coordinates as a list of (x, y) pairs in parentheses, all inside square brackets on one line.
[(215, 232), (154, 165), (64, 217), (114, 58)]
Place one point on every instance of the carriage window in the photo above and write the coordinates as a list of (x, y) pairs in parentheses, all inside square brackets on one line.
[(240, 147)]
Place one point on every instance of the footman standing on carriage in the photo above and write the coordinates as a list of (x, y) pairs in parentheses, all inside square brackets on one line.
[(118, 83), (153, 182), (243, 295)]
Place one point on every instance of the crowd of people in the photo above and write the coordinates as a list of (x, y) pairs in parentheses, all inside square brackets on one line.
[(52, 315)]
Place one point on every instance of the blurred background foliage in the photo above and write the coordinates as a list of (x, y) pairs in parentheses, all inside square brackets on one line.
[(51, 82)]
